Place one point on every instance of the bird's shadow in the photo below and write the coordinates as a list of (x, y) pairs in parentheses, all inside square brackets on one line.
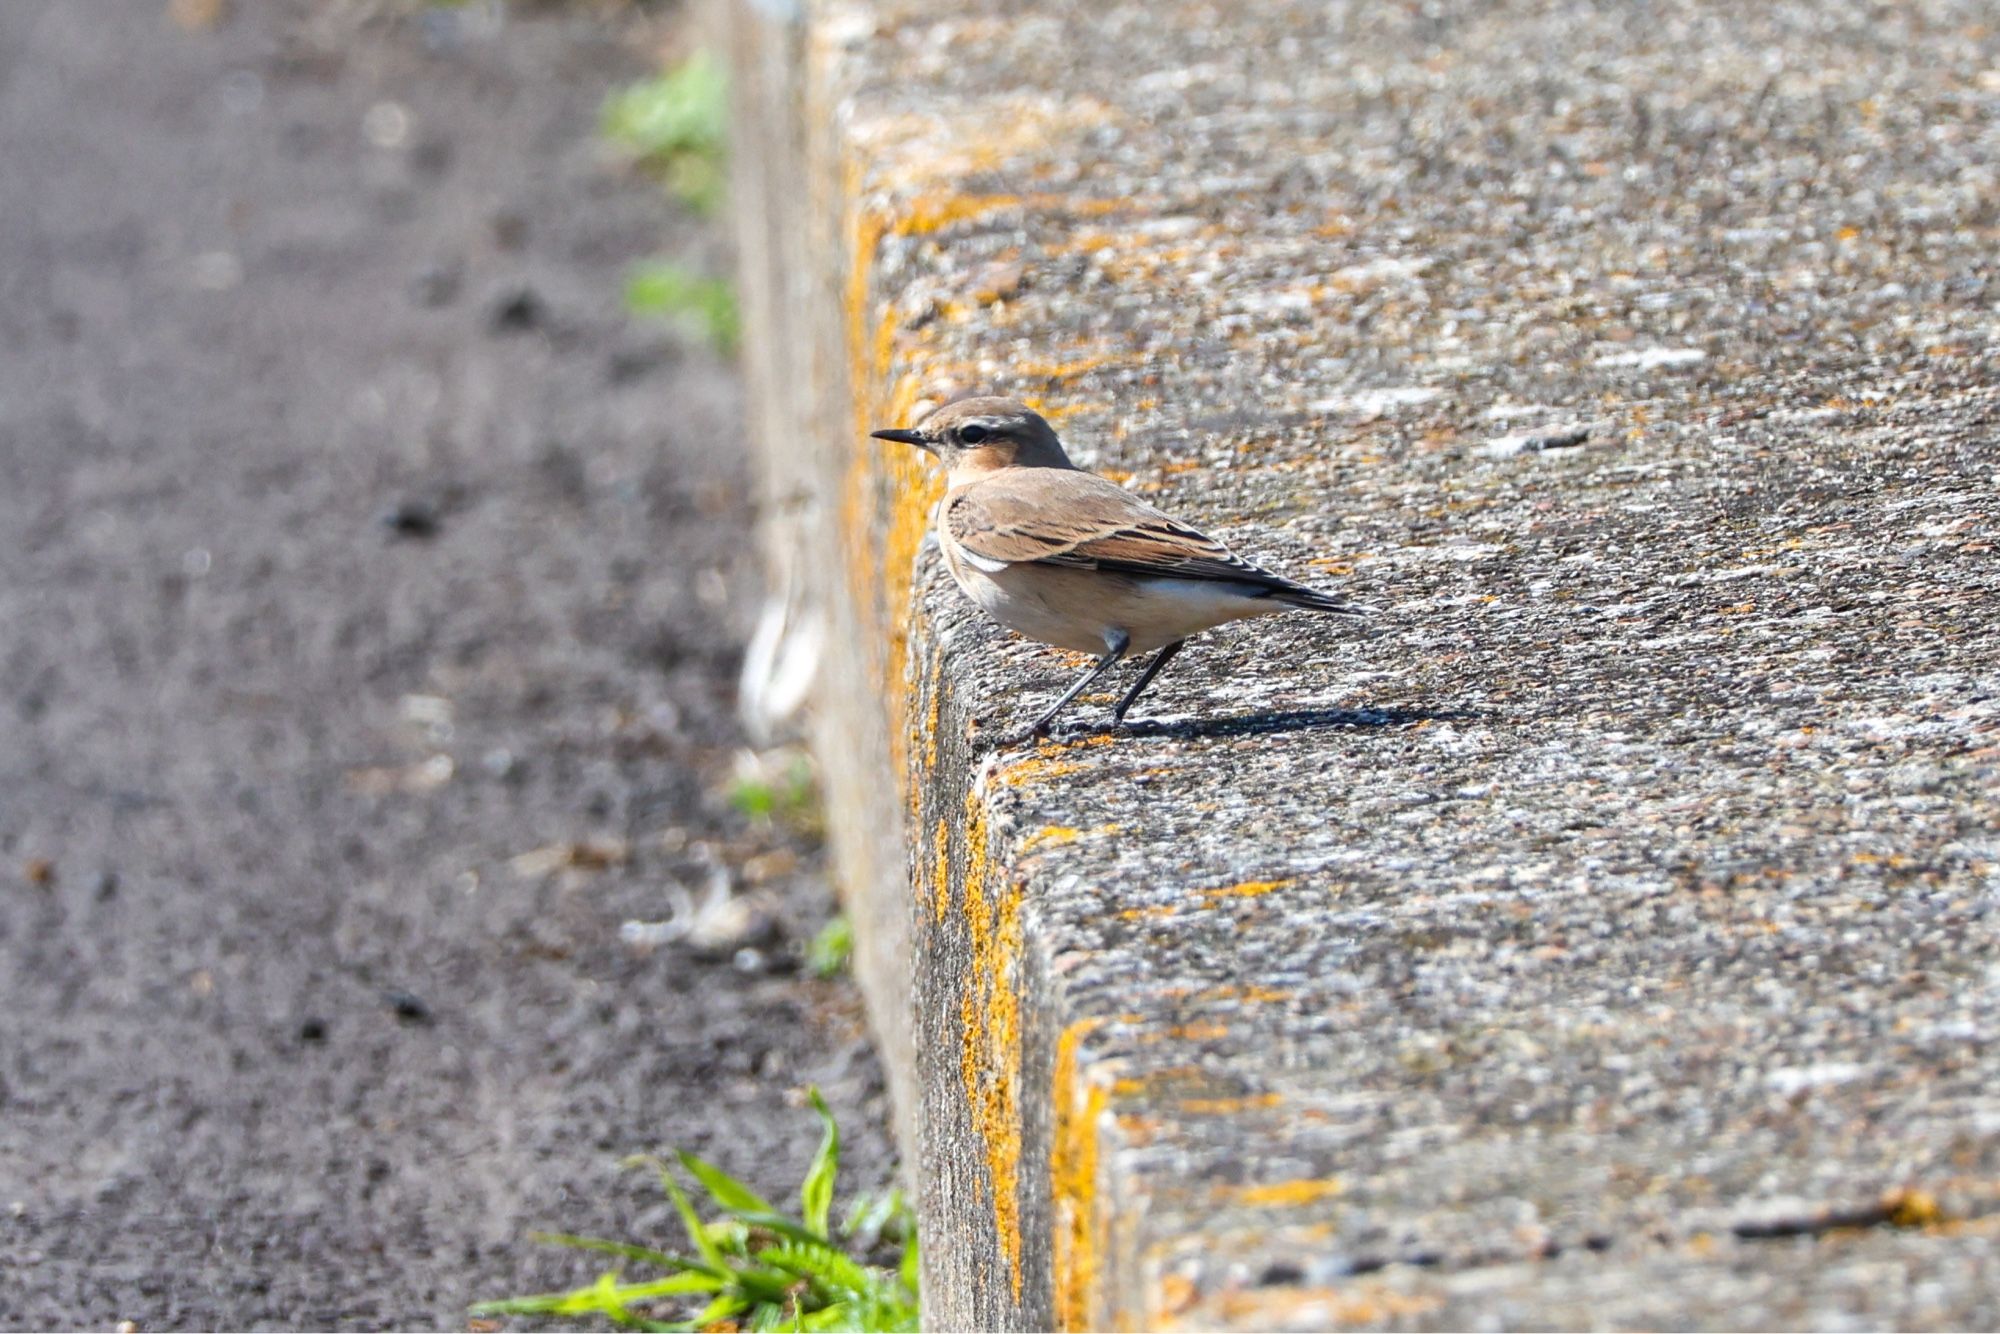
[(1266, 724)]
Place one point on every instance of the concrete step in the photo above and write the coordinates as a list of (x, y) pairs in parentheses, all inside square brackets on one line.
[(1604, 934)]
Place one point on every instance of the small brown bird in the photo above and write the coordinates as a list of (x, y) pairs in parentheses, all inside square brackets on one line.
[(1072, 559)]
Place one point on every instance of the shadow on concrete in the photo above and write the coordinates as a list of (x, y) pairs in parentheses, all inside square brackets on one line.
[(1287, 720)]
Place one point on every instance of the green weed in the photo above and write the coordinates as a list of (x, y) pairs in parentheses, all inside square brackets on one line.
[(666, 290), (764, 791), (753, 1268), (831, 949), (677, 125)]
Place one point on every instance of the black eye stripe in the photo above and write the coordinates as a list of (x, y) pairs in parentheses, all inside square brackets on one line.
[(972, 435)]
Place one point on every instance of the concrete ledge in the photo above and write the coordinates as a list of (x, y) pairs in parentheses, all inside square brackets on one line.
[(1608, 938)]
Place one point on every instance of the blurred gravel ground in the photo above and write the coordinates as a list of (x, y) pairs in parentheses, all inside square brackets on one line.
[(355, 552)]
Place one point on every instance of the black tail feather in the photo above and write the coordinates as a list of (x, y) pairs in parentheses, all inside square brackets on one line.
[(1311, 599)]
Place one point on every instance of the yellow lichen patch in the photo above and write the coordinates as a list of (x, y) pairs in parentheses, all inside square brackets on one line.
[(1135, 1130), (1088, 242), (1306, 1191), (1912, 1208), (1033, 768), (1177, 1293), (1073, 1182), (1082, 742), (1058, 413), (1050, 837), (915, 152), (1248, 889), (934, 213), (1102, 830), (932, 719), (1062, 372), (1149, 914), (888, 491), (990, 1033), (917, 488), (1128, 1086), (1246, 991), (1044, 762), (1228, 1106), (941, 850)]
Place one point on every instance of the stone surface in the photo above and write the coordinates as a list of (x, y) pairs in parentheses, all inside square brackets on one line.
[(1603, 936)]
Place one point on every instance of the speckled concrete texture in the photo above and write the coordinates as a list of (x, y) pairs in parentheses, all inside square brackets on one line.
[(1604, 935)]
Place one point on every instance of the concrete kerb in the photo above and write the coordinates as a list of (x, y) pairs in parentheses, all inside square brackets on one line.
[(1606, 937)]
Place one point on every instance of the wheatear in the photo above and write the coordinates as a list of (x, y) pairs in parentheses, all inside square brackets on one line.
[(1072, 559)]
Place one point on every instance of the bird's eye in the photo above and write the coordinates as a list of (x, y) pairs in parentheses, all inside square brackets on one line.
[(972, 435)]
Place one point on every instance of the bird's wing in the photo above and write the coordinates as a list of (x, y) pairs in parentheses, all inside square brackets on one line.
[(1056, 516)]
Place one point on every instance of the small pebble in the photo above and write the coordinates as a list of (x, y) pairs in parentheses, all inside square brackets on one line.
[(408, 1007), (516, 310), (412, 519)]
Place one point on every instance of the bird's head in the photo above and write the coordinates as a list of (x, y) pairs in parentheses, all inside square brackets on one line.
[(979, 434)]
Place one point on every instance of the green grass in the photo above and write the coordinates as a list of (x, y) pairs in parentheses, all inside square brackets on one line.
[(705, 307), (832, 949), (677, 126), (764, 792), (752, 1267)]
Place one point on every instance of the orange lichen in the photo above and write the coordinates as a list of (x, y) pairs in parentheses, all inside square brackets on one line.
[(1028, 770), (932, 721), (914, 489), (1050, 837), (1136, 1130), (1248, 991), (1249, 889), (934, 213), (1912, 1208), (1177, 1293), (1058, 413), (1073, 1181), (941, 850), (1056, 835), (1228, 1106), (1162, 1081), (990, 1033), (1306, 1191), (1064, 371)]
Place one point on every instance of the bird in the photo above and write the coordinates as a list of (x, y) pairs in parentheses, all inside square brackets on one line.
[(1061, 555)]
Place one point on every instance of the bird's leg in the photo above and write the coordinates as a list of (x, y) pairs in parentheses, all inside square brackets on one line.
[(1115, 645), (1160, 659)]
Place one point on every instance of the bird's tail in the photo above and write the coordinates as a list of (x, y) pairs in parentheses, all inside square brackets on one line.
[(1311, 599)]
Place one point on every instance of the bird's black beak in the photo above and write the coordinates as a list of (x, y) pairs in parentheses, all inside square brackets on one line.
[(902, 438)]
